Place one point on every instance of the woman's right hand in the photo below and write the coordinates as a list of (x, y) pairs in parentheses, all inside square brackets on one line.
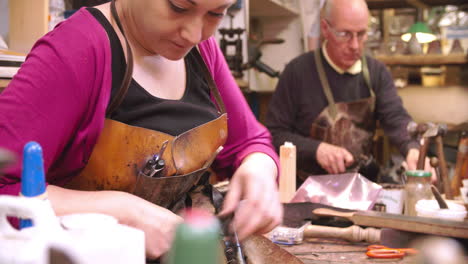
[(158, 223)]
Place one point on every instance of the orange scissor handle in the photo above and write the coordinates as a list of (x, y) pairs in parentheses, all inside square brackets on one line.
[(380, 251), (385, 253)]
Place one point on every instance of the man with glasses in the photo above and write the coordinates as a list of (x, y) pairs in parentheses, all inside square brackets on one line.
[(327, 102)]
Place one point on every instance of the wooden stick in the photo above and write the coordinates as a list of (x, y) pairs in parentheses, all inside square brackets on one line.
[(287, 180), (416, 224), (443, 167), (353, 233), (461, 166)]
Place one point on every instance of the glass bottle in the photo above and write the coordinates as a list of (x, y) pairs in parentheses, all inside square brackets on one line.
[(417, 187)]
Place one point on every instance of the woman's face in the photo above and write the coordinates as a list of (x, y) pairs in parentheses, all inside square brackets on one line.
[(171, 28)]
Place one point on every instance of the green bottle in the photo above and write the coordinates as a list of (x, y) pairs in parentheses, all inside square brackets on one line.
[(197, 240)]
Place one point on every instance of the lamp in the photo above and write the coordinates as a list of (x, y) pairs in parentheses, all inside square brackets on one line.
[(422, 32)]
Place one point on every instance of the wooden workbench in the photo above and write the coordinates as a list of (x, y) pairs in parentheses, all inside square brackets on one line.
[(336, 251)]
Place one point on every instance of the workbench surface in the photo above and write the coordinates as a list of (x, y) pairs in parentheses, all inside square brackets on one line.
[(336, 251)]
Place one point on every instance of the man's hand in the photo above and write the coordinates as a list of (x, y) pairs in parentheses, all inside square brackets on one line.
[(412, 163), (333, 159), (254, 183)]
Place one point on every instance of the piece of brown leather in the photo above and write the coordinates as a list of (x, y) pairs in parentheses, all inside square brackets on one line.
[(260, 250), (353, 127), (122, 152)]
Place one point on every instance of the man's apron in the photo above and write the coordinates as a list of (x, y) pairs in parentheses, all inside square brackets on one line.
[(350, 125), (122, 151)]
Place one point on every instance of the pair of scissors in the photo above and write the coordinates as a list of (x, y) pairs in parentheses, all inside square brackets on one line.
[(380, 251), (156, 164)]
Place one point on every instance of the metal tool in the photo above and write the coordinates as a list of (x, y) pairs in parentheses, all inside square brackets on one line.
[(429, 131), (233, 248), (380, 251), (156, 164), (440, 200)]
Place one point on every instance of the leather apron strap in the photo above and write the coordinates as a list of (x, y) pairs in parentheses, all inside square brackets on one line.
[(118, 98), (365, 72), (326, 86)]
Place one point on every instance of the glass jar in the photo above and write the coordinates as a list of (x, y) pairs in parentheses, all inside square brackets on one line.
[(417, 187)]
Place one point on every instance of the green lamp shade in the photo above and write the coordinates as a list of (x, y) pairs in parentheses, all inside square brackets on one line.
[(422, 32)]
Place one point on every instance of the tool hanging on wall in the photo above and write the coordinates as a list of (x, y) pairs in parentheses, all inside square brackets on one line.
[(231, 42), (231, 45), (255, 54)]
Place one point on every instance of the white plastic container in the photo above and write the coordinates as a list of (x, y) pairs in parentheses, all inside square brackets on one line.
[(430, 208), (84, 238)]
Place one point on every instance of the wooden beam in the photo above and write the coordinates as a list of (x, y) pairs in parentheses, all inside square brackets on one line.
[(417, 4), (381, 4), (426, 59), (4, 83), (28, 22)]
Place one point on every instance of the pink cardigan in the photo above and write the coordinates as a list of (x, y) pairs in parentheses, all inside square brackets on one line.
[(59, 97)]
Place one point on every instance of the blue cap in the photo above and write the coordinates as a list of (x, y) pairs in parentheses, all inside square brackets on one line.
[(32, 178)]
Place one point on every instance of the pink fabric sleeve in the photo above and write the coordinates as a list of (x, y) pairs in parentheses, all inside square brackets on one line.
[(54, 98), (245, 134)]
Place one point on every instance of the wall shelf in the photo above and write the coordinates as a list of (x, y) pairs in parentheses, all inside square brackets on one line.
[(269, 8), (418, 60), (381, 4)]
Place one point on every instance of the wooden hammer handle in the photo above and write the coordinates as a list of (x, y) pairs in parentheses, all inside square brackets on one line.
[(353, 233)]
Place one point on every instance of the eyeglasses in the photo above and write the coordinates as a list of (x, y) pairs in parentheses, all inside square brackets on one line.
[(345, 36)]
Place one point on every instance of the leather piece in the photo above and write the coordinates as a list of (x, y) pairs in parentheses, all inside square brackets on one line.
[(352, 128), (296, 214), (260, 250), (190, 148)]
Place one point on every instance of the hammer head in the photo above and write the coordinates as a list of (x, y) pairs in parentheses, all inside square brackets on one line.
[(427, 129)]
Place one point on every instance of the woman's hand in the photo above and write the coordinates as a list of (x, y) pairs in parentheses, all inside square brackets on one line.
[(157, 223), (254, 183)]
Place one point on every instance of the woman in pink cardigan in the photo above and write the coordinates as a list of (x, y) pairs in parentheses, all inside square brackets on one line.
[(149, 68)]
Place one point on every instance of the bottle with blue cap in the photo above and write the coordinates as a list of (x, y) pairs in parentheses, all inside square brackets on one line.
[(32, 176)]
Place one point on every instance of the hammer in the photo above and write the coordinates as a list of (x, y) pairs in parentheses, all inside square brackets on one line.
[(428, 131), (6, 158)]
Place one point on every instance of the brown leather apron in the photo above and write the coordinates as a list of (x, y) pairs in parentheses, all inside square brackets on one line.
[(350, 125), (122, 151)]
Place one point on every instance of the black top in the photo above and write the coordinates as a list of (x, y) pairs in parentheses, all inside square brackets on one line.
[(299, 99), (140, 108)]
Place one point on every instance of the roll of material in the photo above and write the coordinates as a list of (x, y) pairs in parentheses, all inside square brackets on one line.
[(82, 238), (287, 179)]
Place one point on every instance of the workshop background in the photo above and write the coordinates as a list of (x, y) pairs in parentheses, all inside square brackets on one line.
[(259, 37)]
